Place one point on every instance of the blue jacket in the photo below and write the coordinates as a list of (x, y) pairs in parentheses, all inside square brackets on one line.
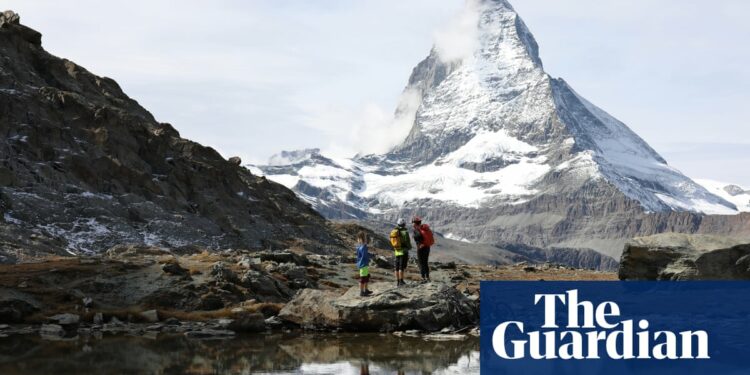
[(363, 256)]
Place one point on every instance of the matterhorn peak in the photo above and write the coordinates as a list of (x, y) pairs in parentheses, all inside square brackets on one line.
[(498, 142)]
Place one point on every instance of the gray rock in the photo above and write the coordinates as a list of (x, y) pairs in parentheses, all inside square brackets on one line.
[(283, 257), (52, 331), (248, 262), (274, 322), (98, 319), (686, 257), (65, 319), (427, 307), (236, 160), (174, 268), (150, 316), (221, 273), (248, 323), (15, 306), (264, 286), (210, 334)]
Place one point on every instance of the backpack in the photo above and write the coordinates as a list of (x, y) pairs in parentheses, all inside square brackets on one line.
[(405, 241), (427, 238), (396, 239)]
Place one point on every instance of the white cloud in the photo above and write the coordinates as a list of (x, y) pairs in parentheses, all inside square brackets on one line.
[(457, 40), (367, 130)]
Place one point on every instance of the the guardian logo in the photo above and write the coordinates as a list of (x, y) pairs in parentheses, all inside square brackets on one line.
[(588, 328)]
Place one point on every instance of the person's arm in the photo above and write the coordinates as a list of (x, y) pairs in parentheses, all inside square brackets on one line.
[(418, 238)]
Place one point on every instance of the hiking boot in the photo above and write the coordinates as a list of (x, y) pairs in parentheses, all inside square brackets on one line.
[(368, 293), (363, 294)]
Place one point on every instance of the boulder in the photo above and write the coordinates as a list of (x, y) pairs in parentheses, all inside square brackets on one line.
[(174, 268), (427, 307), (673, 256), (255, 322), (52, 331), (265, 287), (283, 257), (236, 160), (65, 320), (150, 316), (16, 306), (221, 273)]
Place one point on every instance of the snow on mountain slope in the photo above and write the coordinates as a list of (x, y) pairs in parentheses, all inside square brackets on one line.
[(494, 130), (738, 195)]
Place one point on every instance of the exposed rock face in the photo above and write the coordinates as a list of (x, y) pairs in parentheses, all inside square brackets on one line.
[(502, 153), (686, 257), (84, 167), (16, 306), (428, 307)]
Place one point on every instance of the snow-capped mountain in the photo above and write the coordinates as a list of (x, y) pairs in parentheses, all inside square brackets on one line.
[(500, 152), (738, 195)]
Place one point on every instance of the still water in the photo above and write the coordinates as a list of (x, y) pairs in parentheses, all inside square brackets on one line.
[(257, 354)]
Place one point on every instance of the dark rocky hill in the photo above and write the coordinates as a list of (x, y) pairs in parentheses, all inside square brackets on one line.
[(84, 167)]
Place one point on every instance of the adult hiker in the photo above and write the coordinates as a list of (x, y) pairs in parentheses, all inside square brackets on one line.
[(424, 239), (401, 244)]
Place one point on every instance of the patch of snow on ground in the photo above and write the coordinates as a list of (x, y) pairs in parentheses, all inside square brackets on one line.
[(10, 219), (454, 237)]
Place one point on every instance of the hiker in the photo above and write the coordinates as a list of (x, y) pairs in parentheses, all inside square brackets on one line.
[(401, 244), (424, 239), (363, 264)]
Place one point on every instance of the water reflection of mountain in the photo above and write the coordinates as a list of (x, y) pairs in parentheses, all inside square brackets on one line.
[(247, 354)]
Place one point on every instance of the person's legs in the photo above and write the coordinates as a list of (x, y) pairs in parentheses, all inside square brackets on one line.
[(427, 263), (397, 263), (421, 261)]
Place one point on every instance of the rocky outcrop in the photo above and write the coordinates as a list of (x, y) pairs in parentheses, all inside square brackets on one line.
[(686, 257), (16, 306), (84, 167), (427, 307)]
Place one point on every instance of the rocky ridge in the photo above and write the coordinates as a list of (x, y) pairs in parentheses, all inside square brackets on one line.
[(675, 256), (83, 167)]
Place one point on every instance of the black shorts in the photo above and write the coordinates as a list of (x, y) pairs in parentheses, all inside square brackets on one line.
[(401, 262)]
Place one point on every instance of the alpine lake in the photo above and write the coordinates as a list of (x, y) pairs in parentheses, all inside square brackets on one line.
[(281, 353)]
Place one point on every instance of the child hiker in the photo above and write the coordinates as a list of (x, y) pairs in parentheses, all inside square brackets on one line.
[(363, 263)]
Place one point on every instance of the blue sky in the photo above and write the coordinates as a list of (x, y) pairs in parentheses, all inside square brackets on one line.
[(251, 78)]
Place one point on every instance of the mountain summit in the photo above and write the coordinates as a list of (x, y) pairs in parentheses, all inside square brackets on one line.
[(500, 152)]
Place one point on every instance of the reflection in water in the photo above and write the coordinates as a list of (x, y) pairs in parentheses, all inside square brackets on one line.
[(271, 354)]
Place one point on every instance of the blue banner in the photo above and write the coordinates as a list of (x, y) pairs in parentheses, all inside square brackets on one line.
[(612, 328)]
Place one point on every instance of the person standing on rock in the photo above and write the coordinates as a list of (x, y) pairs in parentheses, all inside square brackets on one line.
[(363, 264), (424, 240), (401, 244)]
